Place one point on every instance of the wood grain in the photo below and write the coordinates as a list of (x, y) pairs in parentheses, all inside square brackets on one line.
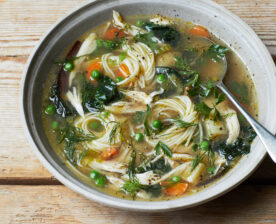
[(22, 23), (58, 204)]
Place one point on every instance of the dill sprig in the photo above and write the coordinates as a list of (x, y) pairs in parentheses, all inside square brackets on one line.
[(183, 124)]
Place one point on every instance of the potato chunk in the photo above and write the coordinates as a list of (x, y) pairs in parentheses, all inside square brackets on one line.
[(167, 59)]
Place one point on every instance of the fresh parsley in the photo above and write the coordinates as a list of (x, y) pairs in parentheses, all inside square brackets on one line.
[(216, 52), (202, 108)]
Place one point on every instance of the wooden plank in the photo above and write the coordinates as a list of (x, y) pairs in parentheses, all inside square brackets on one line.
[(22, 23), (21, 29), (57, 204)]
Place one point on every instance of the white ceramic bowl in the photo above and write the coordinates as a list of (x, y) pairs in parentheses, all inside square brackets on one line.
[(228, 27)]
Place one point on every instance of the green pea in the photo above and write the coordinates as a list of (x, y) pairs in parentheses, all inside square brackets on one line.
[(204, 145), (139, 23), (138, 137), (161, 78), (95, 74), (176, 179), (100, 181), (94, 174), (55, 125), (95, 125), (50, 110), (69, 66), (104, 114), (157, 124), (99, 42), (119, 79)]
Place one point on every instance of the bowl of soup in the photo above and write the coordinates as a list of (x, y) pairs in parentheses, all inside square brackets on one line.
[(121, 105)]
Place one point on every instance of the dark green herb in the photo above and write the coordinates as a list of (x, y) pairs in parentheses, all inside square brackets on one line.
[(95, 97), (113, 132), (211, 169), (216, 115), (182, 124), (72, 136), (216, 52), (131, 187), (240, 147), (201, 90), (182, 65), (203, 109), (203, 149), (146, 123), (219, 97), (166, 150), (196, 161), (159, 167), (148, 39), (155, 190), (61, 107), (166, 34), (174, 82)]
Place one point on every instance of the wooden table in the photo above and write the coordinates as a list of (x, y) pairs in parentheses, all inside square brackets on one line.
[(30, 194)]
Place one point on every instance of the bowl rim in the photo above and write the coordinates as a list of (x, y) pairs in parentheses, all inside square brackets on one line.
[(102, 197)]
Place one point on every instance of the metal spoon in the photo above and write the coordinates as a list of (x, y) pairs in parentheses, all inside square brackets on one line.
[(267, 138)]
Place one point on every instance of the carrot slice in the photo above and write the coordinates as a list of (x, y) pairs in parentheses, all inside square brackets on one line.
[(109, 153), (198, 30), (96, 65), (177, 189), (112, 33), (123, 71)]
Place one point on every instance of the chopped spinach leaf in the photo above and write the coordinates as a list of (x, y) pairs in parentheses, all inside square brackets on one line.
[(166, 34), (95, 97), (240, 147), (61, 107), (160, 167), (155, 190)]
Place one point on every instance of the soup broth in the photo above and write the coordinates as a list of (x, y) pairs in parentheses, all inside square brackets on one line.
[(132, 108)]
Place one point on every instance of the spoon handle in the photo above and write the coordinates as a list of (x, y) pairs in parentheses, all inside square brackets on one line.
[(268, 139)]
